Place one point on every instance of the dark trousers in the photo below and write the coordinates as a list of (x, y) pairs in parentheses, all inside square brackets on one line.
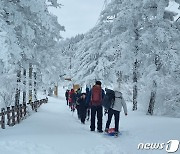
[(98, 110), (112, 112), (82, 114), (67, 101), (78, 111), (88, 113)]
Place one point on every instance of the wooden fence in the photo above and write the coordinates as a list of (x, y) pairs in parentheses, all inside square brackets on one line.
[(14, 114)]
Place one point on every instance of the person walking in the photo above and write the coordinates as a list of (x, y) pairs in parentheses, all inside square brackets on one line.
[(67, 96), (88, 107), (72, 100), (78, 95), (82, 107), (115, 110), (95, 98)]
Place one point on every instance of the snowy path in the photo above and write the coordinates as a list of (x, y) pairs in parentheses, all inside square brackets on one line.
[(55, 130)]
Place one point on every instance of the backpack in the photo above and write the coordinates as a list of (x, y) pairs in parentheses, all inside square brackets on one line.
[(96, 95), (109, 98)]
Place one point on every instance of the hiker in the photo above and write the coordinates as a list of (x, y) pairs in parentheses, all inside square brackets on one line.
[(67, 96), (88, 108), (95, 101), (82, 107), (115, 110), (72, 99), (78, 95)]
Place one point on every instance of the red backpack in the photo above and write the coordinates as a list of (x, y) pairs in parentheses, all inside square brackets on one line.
[(96, 96)]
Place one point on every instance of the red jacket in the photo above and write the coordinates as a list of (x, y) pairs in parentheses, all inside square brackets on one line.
[(72, 97)]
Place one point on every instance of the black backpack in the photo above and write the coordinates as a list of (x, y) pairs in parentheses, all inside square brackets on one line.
[(109, 98)]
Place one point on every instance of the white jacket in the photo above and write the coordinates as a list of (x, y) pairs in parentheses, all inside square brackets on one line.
[(119, 102)]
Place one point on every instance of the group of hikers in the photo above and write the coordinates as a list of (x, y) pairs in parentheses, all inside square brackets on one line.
[(90, 104)]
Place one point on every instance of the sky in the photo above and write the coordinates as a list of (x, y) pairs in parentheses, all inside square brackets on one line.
[(173, 6), (78, 16)]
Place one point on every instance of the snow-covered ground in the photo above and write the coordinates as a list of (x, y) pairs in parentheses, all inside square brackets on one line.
[(54, 129)]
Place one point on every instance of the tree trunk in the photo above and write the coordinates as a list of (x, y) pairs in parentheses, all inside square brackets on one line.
[(119, 78), (135, 71), (17, 95), (24, 86), (30, 82), (152, 99), (56, 90), (35, 86)]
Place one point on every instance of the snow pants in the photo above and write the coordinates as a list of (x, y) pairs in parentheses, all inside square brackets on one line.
[(112, 112), (82, 112), (99, 111)]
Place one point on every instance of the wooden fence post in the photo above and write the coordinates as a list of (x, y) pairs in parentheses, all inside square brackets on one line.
[(18, 115), (20, 111), (35, 106), (40, 102), (8, 116), (13, 116), (24, 109), (3, 118)]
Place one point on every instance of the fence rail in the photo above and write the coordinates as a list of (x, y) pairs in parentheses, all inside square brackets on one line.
[(15, 114)]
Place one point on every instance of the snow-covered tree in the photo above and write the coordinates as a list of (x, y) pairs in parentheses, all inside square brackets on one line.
[(29, 29), (129, 32)]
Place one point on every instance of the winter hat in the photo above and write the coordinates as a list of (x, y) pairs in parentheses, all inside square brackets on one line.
[(98, 83)]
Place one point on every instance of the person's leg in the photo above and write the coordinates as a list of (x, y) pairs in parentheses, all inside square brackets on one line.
[(73, 106), (70, 104), (78, 111), (110, 114), (99, 117), (83, 115), (88, 113), (116, 116), (93, 114)]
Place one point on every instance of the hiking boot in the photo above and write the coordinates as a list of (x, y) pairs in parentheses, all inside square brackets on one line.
[(92, 130), (100, 131), (116, 134), (106, 130)]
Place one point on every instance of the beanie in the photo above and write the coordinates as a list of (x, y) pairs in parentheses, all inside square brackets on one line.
[(98, 83)]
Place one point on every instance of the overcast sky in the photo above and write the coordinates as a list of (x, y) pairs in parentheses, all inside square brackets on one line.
[(78, 16)]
